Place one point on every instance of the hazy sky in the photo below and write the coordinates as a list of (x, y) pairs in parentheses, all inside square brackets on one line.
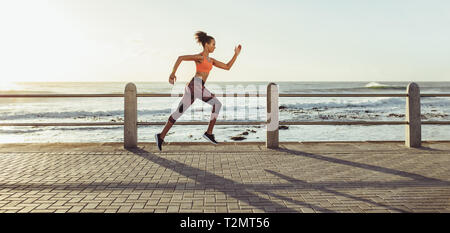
[(139, 40)]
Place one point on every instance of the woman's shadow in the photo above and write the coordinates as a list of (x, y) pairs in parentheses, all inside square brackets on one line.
[(239, 191)]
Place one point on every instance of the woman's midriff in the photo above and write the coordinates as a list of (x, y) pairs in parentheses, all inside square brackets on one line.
[(203, 75)]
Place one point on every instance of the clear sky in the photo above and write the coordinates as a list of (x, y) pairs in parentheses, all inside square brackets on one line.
[(139, 40)]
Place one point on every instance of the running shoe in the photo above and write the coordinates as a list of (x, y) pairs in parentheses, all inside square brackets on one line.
[(210, 137), (158, 141)]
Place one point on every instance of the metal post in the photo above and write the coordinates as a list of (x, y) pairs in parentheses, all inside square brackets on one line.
[(272, 116), (130, 124), (413, 128)]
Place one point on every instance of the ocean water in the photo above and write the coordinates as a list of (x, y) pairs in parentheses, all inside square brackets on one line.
[(151, 109)]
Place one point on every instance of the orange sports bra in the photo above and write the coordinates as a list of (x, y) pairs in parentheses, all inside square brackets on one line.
[(204, 66)]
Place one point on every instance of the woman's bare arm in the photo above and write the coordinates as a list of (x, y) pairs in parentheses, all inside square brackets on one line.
[(195, 57), (228, 66)]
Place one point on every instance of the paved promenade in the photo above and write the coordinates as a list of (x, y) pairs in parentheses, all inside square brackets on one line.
[(231, 177)]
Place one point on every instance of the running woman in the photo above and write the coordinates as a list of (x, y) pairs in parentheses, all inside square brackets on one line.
[(196, 89)]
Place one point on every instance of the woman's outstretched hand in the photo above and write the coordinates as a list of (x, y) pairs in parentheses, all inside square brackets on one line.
[(172, 78), (237, 50)]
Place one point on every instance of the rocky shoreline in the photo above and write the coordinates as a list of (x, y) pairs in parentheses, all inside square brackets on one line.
[(241, 136)]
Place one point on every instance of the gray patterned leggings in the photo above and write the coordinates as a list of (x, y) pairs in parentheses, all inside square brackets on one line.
[(196, 90)]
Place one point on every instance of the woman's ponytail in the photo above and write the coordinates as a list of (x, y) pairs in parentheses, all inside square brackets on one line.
[(203, 38)]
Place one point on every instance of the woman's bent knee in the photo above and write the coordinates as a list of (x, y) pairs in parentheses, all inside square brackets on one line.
[(217, 106)]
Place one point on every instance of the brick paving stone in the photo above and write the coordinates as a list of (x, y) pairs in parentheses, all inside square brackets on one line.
[(59, 207), (138, 205), (27, 209), (42, 211), (133, 197), (92, 210), (172, 209), (91, 205), (75, 209), (105, 202), (356, 209), (152, 202), (300, 177), (103, 195), (124, 209), (110, 211), (3, 203), (60, 211)]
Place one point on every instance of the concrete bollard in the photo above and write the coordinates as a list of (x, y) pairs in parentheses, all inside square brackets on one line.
[(413, 127), (130, 124), (272, 116)]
